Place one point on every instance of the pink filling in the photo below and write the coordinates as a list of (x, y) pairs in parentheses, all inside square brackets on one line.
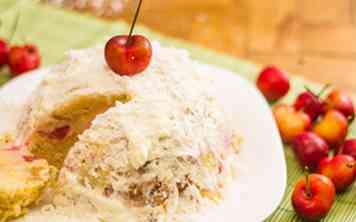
[(21, 150), (29, 158), (221, 168), (58, 133), (16, 146), (13, 147)]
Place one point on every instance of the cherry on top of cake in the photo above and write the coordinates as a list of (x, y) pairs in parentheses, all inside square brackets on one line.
[(128, 55)]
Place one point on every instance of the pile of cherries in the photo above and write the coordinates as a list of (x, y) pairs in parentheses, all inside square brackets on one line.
[(316, 127), (20, 59)]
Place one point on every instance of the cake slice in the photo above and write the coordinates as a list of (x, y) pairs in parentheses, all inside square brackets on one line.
[(22, 180)]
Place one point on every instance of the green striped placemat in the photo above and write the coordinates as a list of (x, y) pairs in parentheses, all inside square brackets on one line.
[(55, 31)]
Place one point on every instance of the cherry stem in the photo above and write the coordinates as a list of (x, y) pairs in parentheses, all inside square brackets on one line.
[(134, 22), (351, 165), (14, 27), (351, 118), (307, 179), (321, 92)]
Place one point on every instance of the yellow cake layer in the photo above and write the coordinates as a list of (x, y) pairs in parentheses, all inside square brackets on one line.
[(76, 114), (22, 180)]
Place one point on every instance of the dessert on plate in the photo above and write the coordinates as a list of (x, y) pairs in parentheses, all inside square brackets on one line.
[(151, 147)]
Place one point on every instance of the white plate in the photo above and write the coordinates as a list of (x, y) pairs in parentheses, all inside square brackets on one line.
[(260, 185)]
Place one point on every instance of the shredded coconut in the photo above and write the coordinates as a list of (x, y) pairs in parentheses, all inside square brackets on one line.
[(165, 153)]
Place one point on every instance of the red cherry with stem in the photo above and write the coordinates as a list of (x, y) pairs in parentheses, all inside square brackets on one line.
[(128, 59), (128, 55), (4, 52), (313, 197), (23, 59), (310, 103), (340, 169), (273, 83)]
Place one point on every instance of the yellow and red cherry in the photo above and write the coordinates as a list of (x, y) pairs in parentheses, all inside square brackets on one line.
[(290, 122), (341, 169), (273, 83), (342, 102), (128, 55), (313, 197), (332, 127)]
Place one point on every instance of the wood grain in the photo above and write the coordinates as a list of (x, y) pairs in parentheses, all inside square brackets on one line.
[(313, 38)]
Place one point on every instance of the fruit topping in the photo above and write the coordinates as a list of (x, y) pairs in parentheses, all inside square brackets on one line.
[(128, 55)]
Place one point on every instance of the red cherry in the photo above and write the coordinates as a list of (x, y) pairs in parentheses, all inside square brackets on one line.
[(310, 149), (273, 83), (340, 169), (126, 56), (4, 52), (313, 197), (342, 102), (310, 104), (23, 59), (349, 148)]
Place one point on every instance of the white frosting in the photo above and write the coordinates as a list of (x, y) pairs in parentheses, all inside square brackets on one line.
[(171, 132)]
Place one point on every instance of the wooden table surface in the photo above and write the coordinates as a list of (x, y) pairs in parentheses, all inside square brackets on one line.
[(313, 38)]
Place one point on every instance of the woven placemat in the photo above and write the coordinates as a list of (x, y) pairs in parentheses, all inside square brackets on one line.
[(56, 30)]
